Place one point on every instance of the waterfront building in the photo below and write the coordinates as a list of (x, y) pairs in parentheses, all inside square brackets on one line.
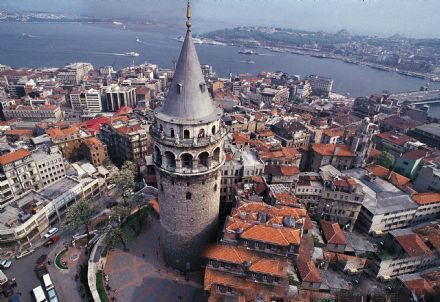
[(188, 154), (320, 85)]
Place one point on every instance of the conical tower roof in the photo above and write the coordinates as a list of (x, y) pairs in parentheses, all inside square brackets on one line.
[(188, 98)]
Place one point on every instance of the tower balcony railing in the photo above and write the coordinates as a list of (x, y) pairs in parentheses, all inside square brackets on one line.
[(178, 168), (187, 142)]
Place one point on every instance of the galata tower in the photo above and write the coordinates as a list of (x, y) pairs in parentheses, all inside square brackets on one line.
[(188, 153)]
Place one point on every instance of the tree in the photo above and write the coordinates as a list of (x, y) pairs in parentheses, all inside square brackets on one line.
[(384, 159), (78, 215), (115, 236)]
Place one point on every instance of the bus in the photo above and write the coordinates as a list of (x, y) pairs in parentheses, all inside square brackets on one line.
[(39, 294), (47, 282)]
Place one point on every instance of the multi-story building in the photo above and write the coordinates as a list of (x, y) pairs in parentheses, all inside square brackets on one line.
[(339, 156), (404, 251), (50, 165), (115, 97), (270, 95), (291, 133), (188, 155), (429, 206), (73, 73), (87, 101), (33, 113), (19, 174), (320, 85), (395, 143), (67, 139), (93, 150), (239, 167), (27, 218), (127, 140), (428, 178), (428, 133)]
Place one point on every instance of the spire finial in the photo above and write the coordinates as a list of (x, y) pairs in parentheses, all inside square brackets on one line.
[(188, 15)]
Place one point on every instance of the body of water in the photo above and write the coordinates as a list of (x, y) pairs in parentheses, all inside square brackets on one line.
[(54, 45)]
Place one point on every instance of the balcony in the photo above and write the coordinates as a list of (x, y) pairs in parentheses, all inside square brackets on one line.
[(188, 142)]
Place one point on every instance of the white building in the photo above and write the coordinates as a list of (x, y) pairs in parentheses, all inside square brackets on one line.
[(115, 97), (50, 165)]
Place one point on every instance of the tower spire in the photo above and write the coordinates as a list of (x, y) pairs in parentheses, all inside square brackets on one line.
[(188, 15)]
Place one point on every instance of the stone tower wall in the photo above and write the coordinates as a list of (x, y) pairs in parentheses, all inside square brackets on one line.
[(188, 225)]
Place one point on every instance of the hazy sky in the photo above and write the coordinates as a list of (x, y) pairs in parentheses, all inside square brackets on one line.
[(412, 18)]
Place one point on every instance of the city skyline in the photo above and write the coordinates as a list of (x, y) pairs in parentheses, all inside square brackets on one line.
[(415, 19)]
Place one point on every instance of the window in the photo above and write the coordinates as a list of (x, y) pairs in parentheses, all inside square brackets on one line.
[(179, 88), (186, 134), (187, 183), (215, 188), (161, 187), (188, 195), (213, 129), (160, 127), (172, 132)]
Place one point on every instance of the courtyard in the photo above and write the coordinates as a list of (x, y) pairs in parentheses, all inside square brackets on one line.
[(140, 274)]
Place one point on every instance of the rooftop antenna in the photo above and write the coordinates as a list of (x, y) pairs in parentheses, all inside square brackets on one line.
[(188, 16)]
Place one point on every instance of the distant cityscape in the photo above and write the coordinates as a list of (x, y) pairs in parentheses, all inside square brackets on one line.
[(412, 57), (147, 183)]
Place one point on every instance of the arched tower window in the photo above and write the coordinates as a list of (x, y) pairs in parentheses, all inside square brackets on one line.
[(172, 132), (187, 161), (186, 134), (201, 133), (216, 155), (204, 159), (170, 159), (160, 128), (188, 195), (213, 129)]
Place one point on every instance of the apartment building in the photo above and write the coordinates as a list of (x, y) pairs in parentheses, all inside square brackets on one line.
[(18, 174), (127, 140), (33, 113), (94, 151), (50, 164), (86, 101), (26, 219), (339, 156)]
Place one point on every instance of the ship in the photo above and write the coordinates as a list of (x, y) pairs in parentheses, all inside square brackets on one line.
[(248, 62), (131, 54), (247, 52), (138, 40)]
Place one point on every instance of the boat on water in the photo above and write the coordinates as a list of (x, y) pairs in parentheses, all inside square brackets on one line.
[(28, 35), (131, 54), (180, 39), (197, 41), (435, 79), (247, 52), (138, 40), (248, 62)]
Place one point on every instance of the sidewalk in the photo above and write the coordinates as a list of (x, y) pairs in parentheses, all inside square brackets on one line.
[(64, 281)]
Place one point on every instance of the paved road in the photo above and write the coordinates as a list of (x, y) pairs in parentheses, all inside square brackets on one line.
[(23, 269)]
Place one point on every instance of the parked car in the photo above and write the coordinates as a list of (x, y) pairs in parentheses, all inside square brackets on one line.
[(41, 259), (52, 240), (5, 263), (24, 253), (41, 270), (52, 295), (14, 298), (7, 289), (50, 233)]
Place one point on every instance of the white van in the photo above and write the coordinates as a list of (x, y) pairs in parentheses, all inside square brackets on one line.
[(39, 294), (47, 282), (50, 233)]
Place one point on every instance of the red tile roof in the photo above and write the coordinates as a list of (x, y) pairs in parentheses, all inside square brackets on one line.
[(230, 253), (333, 233), (419, 287), (308, 271), (382, 172), (394, 137), (274, 235), (426, 198), (415, 155), (413, 245), (14, 156), (333, 149)]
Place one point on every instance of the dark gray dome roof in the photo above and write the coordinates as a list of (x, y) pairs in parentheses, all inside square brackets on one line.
[(188, 98)]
